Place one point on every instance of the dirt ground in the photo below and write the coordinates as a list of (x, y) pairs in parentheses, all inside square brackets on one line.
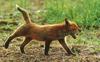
[(34, 53)]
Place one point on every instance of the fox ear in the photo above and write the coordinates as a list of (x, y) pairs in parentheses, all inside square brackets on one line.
[(66, 21)]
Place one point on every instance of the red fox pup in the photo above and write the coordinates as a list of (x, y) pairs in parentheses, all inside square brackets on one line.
[(46, 33)]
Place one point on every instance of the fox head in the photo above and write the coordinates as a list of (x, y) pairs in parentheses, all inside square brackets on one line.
[(71, 28)]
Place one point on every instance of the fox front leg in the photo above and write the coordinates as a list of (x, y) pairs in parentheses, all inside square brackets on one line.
[(62, 42)]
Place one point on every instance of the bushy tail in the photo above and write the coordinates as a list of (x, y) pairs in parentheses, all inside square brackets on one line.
[(24, 13)]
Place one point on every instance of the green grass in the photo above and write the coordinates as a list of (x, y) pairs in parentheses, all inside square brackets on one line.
[(84, 12), (87, 37)]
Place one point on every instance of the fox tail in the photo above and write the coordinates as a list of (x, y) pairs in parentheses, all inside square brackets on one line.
[(24, 13)]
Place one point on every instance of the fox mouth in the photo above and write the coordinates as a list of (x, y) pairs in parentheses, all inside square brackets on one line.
[(74, 36)]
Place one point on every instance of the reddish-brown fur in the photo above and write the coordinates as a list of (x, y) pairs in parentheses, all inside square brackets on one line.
[(46, 33)]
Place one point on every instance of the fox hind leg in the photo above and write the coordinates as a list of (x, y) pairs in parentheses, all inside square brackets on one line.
[(9, 40), (17, 33), (26, 41)]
